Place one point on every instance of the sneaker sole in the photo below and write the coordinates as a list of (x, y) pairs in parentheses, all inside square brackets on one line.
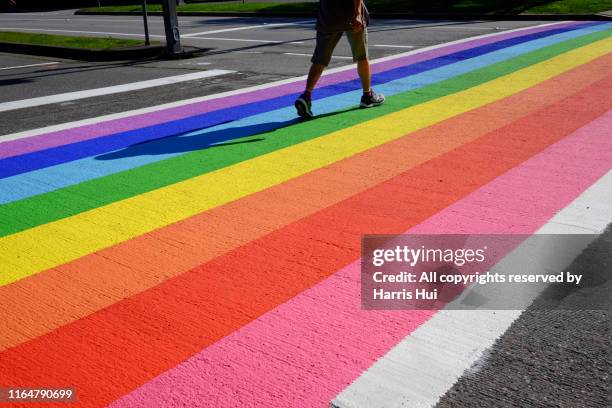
[(371, 105), (302, 109)]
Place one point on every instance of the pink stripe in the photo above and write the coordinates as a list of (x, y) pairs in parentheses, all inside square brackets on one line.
[(307, 350), (58, 138)]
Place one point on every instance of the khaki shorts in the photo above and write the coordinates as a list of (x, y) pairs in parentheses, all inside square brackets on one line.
[(326, 42)]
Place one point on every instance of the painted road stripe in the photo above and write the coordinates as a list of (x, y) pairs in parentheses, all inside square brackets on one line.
[(265, 25), (47, 246), (310, 55), (246, 40), (71, 96), (258, 91), (394, 46), (30, 65), (105, 284), (440, 26), (337, 340), (39, 182), (128, 337), (423, 366)]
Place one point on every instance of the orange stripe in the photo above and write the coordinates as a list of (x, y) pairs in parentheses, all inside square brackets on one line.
[(84, 286)]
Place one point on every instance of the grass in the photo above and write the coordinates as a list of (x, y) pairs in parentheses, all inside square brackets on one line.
[(574, 6), (66, 41), (396, 6)]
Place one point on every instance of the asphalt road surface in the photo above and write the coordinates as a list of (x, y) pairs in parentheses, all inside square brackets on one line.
[(557, 353)]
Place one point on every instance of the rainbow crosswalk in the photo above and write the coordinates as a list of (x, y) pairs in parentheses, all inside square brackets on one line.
[(207, 253)]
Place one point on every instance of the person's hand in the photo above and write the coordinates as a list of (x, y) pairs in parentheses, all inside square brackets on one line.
[(357, 24)]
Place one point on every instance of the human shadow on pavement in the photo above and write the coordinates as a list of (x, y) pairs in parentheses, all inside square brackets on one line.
[(218, 138)]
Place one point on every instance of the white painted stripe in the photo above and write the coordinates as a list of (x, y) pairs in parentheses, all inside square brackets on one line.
[(428, 362), (225, 30), (247, 40), (150, 19), (114, 116), (31, 65), (71, 96), (299, 54), (45, 30), (394, 46), (435, 27)]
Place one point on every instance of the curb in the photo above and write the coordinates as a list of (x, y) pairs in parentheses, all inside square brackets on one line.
[(113, 54), (419, 16)]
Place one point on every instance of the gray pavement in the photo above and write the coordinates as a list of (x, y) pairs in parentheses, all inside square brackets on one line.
[(259, 50), (557, 354)]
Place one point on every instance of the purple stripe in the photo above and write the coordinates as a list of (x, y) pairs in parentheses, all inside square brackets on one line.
[(58, 138)]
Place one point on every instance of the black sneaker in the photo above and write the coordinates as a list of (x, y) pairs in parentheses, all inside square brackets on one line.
[(303, 106), (372, 99)]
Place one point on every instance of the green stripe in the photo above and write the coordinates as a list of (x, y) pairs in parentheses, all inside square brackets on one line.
[(33, 211)]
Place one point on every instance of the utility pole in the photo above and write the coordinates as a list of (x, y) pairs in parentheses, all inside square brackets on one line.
[(145, 21), (173, 38)]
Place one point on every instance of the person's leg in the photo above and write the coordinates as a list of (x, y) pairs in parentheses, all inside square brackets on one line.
[(359, 46), (316, 70), (363, 69), (358, 41), (326, 42)]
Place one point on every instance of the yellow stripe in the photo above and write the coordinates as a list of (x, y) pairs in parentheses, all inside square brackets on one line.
[(49, 245)]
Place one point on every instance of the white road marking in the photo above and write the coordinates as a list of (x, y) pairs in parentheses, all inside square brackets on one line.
[(224, 30), (435, 27), (299, 54), (31, 65), (247, 40), (195, 63), (121, 115), (394, 46), (428, 362), (71, 96)]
